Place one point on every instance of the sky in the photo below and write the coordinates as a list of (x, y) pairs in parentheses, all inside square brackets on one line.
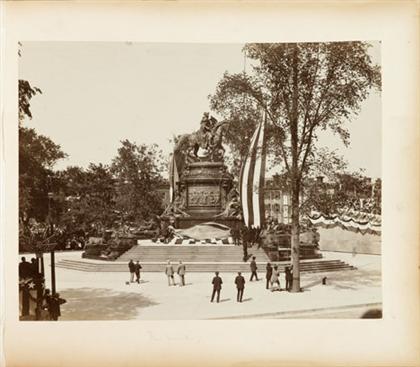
[(95, 94)]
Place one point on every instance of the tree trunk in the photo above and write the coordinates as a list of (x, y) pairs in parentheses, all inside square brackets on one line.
[(295, 238), (295, 176)]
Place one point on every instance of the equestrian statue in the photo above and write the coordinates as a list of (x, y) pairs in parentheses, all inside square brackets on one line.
[(208, 137)]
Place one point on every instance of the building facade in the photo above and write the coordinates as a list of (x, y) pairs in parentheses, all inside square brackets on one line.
[(277, 202)]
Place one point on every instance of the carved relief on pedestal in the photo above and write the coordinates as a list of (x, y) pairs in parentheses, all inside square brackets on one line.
[(203, 196)]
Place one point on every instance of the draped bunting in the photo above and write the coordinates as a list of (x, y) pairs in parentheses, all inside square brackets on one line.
[(356, 222), (173, 177)]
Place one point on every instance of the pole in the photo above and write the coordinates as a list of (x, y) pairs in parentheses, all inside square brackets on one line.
[(42, 266), (53, 272)]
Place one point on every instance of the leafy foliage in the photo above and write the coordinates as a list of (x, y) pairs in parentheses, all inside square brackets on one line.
[(303, 88), (136, 169), (315, 85), (86, 199), (26, 92), (37, 155)]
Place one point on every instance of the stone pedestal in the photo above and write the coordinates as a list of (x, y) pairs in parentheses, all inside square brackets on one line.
[(205, 187)]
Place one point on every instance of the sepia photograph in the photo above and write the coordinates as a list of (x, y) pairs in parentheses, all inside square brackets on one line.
[(199, 181), (193, 183)]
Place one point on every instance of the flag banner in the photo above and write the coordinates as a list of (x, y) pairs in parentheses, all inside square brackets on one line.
[(252, 179), (355, 222), (173, 177)]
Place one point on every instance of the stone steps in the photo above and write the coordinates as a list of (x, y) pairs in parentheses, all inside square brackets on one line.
[(197, 253), (306, 266)]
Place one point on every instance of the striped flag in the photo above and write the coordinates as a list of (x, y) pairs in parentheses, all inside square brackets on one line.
[(173, 177), (252, 179)]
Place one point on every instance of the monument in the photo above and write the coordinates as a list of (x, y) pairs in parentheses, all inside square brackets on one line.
[(202, 189)]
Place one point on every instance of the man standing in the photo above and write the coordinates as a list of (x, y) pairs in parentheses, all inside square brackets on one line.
[(56, 302), (244, 238), (131, 268), (268, 274), (217, 286), (46, 303), (235, 236), (137, 268), (240, 286), (289, 277), (169, 271), (258, 237), (254, 268), (181, 273), (24, 268)]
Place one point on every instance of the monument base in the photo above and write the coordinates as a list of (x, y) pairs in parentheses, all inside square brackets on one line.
[(188, 222)]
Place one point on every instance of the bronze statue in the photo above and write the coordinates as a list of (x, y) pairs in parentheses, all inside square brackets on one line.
[(208, 137), (176, 207), (233, 207)]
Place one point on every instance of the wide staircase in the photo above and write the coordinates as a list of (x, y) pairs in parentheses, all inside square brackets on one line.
[(190, 253), (197, 258)]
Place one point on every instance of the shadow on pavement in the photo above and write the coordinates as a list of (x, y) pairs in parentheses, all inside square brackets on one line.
[(101, 304), (347, 280)]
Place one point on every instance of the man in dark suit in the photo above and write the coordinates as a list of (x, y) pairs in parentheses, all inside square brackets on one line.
[(24, 268), (245, 238), (137, 268), (240, 286), (289, 277), (268, 274), (131, 268), (56, 302), (253, 266), (217, 286)]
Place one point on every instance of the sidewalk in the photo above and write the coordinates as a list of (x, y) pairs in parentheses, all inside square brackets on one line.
[(106, 296)]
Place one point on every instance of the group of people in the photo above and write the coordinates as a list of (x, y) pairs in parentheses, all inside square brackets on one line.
[(272, 276), (247, 237), (134, 269), (51, 305), (32, 288)]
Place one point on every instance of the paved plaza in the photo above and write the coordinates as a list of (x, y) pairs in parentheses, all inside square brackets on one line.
[(106, 296)]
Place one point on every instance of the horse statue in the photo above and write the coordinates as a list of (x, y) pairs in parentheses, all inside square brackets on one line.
[(208, 137), (189, 143)]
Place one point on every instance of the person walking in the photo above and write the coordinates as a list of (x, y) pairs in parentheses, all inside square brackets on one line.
[(253, 266), (169, 271), (217, 286), (240, 286), (137, 268), (275, 279), (131, 268), (181, 273), (268, 274)]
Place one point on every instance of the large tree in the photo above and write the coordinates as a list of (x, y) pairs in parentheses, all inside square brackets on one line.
[(37, 156), (137, 170), (85, 199), (303, 88)]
